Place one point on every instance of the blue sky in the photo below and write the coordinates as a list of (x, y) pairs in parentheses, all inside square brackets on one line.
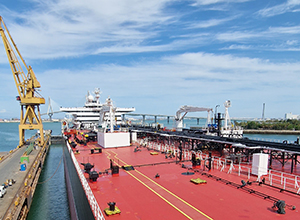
[(158, 55)]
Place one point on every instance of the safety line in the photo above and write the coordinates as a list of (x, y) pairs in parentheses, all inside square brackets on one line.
[(150, 187), (108, 157), (175, 196), (162, 188), (159, 195)]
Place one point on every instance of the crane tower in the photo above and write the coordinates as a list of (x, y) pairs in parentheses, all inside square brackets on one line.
[(27, 85)]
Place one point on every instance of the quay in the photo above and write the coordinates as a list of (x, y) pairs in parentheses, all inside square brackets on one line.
[(22, 165)]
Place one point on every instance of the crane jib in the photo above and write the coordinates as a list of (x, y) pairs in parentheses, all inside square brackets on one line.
[(29, 98)]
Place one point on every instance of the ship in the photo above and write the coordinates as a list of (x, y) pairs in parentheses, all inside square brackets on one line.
[(132, 172), (88, 116)]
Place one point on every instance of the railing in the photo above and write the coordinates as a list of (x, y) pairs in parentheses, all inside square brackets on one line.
[(29, 149), (288, 181), (90, 196), (282, 180)]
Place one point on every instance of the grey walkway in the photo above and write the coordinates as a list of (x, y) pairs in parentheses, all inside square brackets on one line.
[(10, 169)]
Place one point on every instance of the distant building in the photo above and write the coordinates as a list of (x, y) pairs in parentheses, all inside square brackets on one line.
[(291, 116)]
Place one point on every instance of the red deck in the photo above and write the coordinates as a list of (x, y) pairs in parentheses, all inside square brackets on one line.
[(139, 195)]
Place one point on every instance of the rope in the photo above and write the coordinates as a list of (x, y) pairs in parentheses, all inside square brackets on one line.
[(53, 173)]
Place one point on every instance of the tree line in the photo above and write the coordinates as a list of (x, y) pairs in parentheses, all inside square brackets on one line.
[(289, 124)]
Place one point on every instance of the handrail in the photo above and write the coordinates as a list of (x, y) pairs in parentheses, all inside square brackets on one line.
[(89, 194), (275, 178)]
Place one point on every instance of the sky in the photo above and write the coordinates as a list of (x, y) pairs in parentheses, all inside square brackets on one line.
[(158, 55)]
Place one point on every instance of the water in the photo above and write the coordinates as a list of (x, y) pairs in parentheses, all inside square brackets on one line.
[(188, 123), (9, 134), (273, 137), (50, 198)]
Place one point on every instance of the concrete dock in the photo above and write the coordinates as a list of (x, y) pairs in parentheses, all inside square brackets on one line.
[(16, 202)]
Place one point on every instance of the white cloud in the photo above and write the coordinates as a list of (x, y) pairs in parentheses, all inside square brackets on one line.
[(211, 23), (286, 49), (193, 78), (53, 29), (184, 42), (280, 9), (210, 2), (237, 47), (162, 85), (73, 28), (238, 35), (291, 42), (63, 28), (276, 34), (293, 2), (178, 73), (285, 30)]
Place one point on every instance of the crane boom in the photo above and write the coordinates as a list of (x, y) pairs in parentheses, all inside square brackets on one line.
[(186, 109), (27, 85)]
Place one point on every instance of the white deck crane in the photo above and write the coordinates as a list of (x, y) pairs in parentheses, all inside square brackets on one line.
[(110, 109), (227, 121), (186, 109), (27, 85)]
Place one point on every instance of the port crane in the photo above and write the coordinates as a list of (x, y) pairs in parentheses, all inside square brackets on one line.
[(27, 85)]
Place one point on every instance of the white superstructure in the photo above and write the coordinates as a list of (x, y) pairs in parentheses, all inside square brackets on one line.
[(89, 115), (229, 130)]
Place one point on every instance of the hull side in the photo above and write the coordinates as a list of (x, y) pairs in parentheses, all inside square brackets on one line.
[(78, 203)]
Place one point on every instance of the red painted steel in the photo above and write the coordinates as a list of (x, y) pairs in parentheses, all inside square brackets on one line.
[(139, 195)]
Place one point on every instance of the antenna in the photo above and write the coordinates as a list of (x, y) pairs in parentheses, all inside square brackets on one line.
[(263, 112), (227, 104), (50, 110), (227, 121)]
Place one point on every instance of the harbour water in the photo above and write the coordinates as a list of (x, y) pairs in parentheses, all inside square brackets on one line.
[(50, 199), (188, 123)]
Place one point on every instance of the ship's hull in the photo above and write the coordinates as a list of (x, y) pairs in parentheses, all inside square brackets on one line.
[(79, 206), (153, 184)]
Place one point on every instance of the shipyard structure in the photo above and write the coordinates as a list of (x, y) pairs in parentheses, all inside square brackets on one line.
[(120, 170)]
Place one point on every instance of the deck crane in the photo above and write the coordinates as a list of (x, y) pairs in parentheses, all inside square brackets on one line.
[(186, 109), (27, 85)]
